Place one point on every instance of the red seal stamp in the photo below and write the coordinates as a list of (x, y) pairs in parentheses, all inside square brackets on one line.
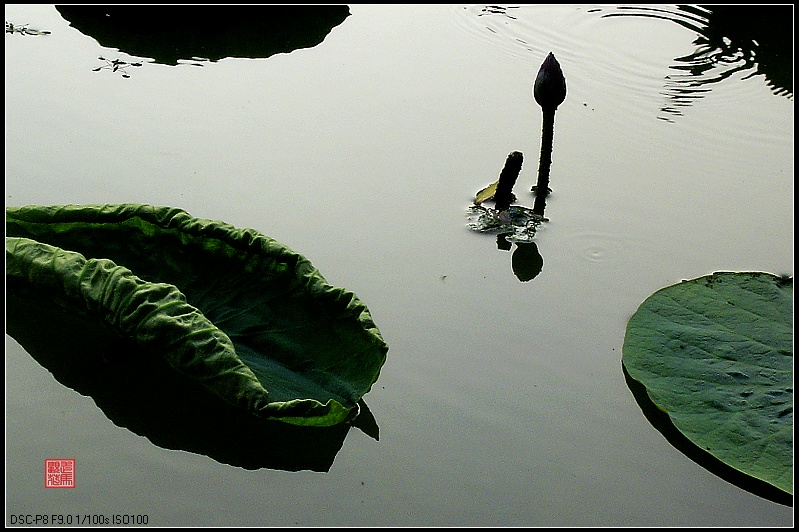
[(59, 473)]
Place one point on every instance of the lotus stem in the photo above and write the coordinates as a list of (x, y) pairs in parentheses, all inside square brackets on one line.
[(540, 204), (545, 161), (507, 178)]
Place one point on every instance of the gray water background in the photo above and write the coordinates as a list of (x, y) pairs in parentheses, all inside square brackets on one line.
[(502, 402)]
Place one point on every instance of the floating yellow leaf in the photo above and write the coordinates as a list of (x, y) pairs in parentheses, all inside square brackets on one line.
[(486, 194)]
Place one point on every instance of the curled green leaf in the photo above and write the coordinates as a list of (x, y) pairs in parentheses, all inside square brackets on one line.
[(243, 315)]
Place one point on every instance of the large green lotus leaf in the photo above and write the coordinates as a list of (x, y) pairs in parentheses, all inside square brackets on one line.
[(243, 314), (716, 354)]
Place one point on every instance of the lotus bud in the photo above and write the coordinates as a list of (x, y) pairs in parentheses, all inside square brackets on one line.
[(549, 89)]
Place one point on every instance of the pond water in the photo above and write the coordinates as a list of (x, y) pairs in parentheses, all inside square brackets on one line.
[(502, 401)]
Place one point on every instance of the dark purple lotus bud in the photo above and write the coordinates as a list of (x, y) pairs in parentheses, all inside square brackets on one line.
[(550, 85)]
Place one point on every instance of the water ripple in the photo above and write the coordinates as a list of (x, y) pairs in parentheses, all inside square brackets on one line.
[(676, 63)]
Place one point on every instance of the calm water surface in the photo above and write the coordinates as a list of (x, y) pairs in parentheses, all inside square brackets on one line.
[(502, 402)]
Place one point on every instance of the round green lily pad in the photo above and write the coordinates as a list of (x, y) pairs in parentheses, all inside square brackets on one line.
[(716, 354)]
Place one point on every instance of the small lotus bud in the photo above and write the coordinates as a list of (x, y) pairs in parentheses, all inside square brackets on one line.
[(550, 85)]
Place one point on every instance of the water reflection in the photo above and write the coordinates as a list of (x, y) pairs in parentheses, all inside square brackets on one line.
[(144, 395), (170, 34), (515, 225), (526, 261), (661, 421), (755, 40), (23, 29), (117, 65)]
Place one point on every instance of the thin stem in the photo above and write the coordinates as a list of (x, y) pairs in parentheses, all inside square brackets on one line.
[(547, 133), (540, 204)]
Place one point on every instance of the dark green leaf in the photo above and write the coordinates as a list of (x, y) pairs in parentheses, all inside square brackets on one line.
[(244, 315), (716, 354)]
